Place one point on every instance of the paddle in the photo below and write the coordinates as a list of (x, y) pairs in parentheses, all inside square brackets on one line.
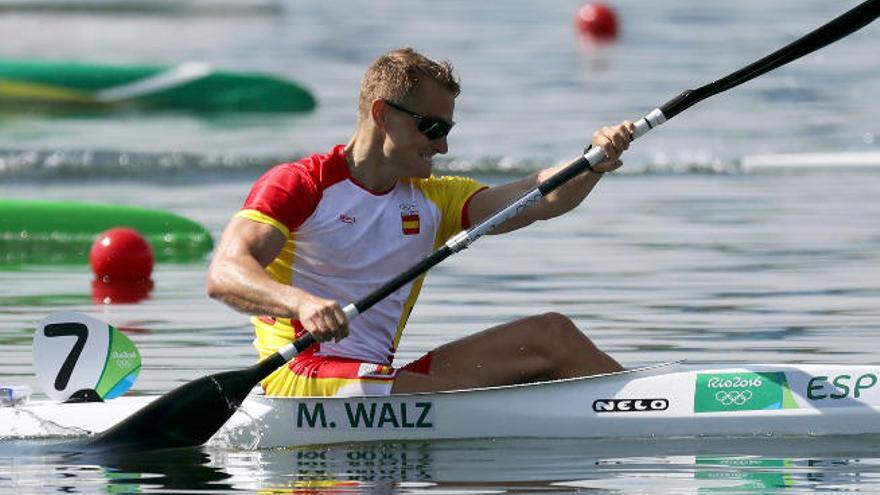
[(189, 415)]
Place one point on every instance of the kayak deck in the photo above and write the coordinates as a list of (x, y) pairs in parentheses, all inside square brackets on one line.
[(664, 401)]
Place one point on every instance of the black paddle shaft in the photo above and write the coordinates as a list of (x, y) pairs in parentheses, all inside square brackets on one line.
[(190, 414), (847, 23)]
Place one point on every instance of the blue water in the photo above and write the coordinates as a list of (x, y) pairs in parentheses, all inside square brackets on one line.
[(683, 254)]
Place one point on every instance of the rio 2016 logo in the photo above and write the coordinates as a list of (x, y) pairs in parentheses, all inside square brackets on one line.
[(745, 391)]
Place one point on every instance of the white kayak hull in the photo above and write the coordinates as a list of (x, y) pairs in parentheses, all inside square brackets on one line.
[(669, 400)]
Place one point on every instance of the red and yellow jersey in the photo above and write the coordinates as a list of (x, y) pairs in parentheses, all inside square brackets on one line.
[(344, 241)]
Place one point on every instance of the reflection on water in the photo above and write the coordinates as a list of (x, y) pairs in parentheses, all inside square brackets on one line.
[(752, 465), (521, 465), (50, 470)]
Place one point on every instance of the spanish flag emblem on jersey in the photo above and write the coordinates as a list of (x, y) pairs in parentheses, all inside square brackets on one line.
[(410, 223)]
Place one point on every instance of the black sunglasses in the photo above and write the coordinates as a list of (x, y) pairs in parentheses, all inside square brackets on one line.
[(432, 127)]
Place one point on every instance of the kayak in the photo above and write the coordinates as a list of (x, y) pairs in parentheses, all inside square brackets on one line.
[(62, 232), (189, 86), (669, 400)]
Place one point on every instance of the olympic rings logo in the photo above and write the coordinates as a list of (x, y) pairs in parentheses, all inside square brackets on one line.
[(733, 397), (124, 359)]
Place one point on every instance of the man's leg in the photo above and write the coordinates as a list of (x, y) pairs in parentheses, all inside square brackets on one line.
[(543, 347)]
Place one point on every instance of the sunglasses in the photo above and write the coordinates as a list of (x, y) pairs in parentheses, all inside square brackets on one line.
[(432, 127)]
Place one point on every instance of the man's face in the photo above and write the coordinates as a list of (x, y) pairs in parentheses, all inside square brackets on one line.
[(406, 148)]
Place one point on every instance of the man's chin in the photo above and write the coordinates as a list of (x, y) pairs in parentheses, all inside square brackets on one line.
[(423, 172)]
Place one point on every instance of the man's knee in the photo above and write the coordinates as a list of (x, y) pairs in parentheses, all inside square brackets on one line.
[(556, 323), (545, 332), (556, 327)]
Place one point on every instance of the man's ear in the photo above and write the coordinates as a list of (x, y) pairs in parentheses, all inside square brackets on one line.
[(379, 113)]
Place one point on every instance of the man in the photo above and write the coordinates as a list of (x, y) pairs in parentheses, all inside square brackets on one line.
[(325, 231)]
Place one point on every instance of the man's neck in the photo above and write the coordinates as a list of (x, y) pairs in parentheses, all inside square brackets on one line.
[(363, 156)]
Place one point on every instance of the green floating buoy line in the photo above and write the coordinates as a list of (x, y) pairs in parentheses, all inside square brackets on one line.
[(189, 87), (37, 232)]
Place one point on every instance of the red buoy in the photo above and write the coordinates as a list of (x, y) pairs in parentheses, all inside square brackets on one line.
[(596, 21), (121, 255)]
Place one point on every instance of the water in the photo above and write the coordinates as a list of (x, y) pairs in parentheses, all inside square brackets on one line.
[(683, 255)]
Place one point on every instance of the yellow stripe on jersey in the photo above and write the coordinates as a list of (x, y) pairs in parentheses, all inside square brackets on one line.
[(260, 217), (281, 268), (450, 194), (271, 337)]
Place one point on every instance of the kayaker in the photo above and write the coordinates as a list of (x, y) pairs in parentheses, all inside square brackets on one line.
[(324, 231)]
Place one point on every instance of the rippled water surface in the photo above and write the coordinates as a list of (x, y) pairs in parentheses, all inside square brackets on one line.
[(686, 255)]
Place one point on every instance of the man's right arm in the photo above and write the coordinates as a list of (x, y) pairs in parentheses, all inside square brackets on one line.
[(237, 276)]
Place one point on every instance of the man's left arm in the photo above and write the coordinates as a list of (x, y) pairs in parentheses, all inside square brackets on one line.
[(614, 140)]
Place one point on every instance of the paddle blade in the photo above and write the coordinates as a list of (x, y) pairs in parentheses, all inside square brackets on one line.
[(188, 415)]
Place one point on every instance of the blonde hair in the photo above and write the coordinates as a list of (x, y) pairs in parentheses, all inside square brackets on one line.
[(398, 74)]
